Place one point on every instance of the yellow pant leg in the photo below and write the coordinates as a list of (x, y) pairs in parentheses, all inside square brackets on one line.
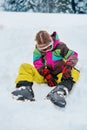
[(74, 74), (28, 73)]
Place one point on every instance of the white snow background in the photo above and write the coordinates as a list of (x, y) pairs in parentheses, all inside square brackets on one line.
[(17, 34)]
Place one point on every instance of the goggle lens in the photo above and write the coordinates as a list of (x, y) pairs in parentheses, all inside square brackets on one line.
[(49, 47)]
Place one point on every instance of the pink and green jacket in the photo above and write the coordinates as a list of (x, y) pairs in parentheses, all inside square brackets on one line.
[(55, 59)]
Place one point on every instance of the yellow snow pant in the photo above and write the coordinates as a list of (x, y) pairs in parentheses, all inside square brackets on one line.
[(28, 73)]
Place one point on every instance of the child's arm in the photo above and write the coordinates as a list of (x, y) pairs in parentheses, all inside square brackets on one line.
[(65, 52), (69, 56), (71, 59)]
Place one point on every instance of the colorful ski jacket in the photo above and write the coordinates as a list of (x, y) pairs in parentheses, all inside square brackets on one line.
[(55, 59)]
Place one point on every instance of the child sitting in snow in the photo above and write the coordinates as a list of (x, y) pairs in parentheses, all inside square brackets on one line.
[(54, 64)]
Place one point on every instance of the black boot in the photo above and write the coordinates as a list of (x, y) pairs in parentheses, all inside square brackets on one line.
[(24, 91), (57, 95)]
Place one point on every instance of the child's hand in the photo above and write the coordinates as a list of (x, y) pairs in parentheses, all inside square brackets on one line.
[(50, 80), (67, 70), (45, 71)]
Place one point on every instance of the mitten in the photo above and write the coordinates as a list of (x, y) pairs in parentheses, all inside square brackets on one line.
[(47, 75), (67, 70)]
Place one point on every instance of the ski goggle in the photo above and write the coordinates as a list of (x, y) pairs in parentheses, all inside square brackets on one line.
[(46, 48)]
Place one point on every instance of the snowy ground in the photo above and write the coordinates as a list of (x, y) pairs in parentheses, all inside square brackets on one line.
[(17, 33)]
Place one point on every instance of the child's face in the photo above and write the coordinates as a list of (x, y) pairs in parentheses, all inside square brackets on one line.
[(45, 47)]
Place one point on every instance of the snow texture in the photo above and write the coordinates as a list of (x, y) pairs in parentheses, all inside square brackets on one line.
[(17, 33)]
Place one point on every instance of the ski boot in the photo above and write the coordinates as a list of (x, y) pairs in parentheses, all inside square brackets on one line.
[(57, 96), (24, 91)]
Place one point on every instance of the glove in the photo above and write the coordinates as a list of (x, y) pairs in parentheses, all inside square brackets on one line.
[(67, 70), (50, 80)]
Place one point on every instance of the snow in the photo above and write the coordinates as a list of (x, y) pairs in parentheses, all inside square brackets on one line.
[(17, 33)]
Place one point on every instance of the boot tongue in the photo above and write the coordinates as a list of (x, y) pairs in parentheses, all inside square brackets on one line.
[(60, 92)]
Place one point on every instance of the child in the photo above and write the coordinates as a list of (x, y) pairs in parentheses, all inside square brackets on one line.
[(54, 64)]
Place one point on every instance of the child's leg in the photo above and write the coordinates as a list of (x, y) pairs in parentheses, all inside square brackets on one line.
[(57, 95), (28, 73), (75, 74), (24, 81), (68, 83)]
